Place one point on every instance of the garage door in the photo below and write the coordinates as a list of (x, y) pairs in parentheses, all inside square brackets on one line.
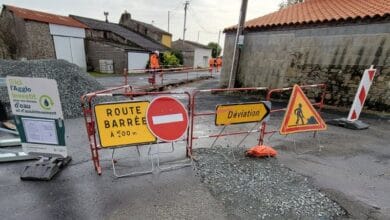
[(137, 60), (70, 49)]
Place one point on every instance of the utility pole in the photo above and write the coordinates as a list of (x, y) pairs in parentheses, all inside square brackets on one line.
[(237, 50), (219, 36), (219, 40), (185, 19), (198, 36), (168, 20)]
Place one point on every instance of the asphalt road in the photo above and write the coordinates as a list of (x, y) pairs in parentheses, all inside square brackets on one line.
[(352, 168), (140, 81)]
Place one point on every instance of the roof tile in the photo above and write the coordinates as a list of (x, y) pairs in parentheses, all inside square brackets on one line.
[(44, 17), (316, 11)]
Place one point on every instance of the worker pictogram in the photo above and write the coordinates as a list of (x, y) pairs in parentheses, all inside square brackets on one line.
[(167, 118), (300, 115)]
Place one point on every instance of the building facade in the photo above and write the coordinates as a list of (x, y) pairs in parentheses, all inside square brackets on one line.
[(194, 54), (330, 45), (112, 43), (39, 35)]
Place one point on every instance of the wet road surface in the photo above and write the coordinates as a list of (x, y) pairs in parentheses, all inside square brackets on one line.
[(352, 168)]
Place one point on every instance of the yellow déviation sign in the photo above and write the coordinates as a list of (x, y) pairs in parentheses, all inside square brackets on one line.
[(123, 123), (240, 113)]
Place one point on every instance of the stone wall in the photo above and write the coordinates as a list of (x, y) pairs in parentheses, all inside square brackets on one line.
[(332, 54), (99, 51), (4, 54), (40, 40), (342, 84), (14, 35), (26, 39)]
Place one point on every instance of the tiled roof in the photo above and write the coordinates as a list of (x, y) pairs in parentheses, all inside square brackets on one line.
[(320, 11), (134, 37), (28, 14)]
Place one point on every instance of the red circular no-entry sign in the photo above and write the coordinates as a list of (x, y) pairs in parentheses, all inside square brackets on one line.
[(167, 118)]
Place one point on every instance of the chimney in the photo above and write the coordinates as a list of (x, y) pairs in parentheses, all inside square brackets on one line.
[(125, 17), (106, 15)]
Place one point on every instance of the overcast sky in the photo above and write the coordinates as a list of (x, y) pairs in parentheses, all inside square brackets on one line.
[(205, 17)]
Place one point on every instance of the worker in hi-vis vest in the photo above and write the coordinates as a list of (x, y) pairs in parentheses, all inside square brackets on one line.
[(211, 64), (154, 61), (219, 63), (154, 65)]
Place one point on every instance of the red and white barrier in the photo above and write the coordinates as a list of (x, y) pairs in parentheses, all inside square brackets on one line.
[(361, 95)]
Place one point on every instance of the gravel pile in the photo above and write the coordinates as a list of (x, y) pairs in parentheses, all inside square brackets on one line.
[(253, 188), (72, 81)]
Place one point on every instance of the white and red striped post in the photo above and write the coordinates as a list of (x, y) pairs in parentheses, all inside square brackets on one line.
[(361, 95)]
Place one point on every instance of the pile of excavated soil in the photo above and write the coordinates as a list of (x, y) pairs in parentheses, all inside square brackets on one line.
[(72, 81), (252, 188)]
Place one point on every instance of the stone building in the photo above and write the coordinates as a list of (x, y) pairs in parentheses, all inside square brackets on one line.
[(194, 54), (317, 41), (149, 30), (4, 54), (106, 41), (29, 34)]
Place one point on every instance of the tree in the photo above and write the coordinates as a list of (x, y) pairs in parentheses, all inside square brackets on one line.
[(286, 3), (178, 55), (215, 49), (170, 60)]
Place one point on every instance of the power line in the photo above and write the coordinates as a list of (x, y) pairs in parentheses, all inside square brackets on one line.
[(199, 23), (178, 6)]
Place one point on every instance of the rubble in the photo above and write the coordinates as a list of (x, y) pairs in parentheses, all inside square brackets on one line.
[(253, 188), (72, 81)]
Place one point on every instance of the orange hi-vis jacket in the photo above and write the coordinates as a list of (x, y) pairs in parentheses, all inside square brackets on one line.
[(211, 62), (154, 64), (219, 61)]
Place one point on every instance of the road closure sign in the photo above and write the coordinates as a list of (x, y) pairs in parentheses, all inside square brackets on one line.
[(34, 97), (167, 118), (123, 123), (241, 113)]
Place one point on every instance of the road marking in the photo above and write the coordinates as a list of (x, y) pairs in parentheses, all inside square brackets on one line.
[(164, 119)]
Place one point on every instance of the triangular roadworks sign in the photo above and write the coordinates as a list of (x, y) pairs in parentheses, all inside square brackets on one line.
[(300, 115)]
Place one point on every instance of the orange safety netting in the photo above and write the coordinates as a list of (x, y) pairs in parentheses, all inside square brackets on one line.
[(261, 151)]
